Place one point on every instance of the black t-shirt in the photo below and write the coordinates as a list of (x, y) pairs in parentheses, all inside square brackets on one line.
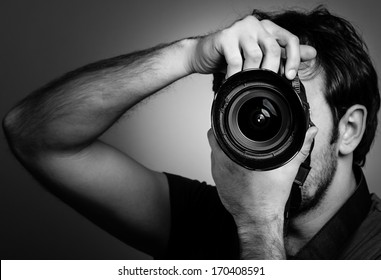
[(201, 228)]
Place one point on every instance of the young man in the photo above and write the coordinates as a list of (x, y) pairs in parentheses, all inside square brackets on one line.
[(54, 133)]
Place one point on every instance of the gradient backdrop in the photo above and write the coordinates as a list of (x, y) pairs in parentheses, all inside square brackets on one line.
[(41, 40)]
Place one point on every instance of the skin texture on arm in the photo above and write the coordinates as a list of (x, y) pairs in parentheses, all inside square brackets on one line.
[(84, 103)]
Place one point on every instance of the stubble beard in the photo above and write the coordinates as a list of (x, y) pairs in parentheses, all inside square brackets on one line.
[(321, 176)]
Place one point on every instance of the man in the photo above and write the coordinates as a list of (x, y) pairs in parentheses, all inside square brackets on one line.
[(54, 133)]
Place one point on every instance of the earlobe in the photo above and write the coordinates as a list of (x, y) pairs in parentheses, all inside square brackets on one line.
[(351, 127)]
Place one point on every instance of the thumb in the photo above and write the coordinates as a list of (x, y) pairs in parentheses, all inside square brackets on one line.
[(212, 140), (306, 148), (307, 52)]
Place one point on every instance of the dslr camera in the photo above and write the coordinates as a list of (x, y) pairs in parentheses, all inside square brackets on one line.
[(260, 118)]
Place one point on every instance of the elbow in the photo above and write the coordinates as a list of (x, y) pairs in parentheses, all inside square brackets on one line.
[(12, 129), (17, 142), (8, 124), (20, 134)]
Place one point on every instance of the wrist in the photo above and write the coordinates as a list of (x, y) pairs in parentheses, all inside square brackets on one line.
[(175, 59), (261, 239), (259, 217), (259, 222), (189, 48)]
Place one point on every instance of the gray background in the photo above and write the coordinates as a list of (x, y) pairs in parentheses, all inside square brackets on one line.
[(41, 40)]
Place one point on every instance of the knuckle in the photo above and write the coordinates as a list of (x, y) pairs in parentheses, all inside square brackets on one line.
[(236, 24), (234, 60), (294, 39), (250, 19), (273, 48), (304, 153), (266, 23), (247, 22), (254, 52), (224, 35)]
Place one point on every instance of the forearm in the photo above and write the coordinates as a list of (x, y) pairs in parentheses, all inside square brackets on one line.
[(72, 111), (262, 240)]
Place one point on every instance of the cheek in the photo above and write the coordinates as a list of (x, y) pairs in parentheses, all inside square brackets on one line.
[(322, 139)]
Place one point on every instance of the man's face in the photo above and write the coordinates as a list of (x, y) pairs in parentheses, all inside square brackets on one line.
[(324, 155)]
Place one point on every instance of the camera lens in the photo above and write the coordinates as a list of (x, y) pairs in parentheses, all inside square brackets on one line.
[(259, 119)]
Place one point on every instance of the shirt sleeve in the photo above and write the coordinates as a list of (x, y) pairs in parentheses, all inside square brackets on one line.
[(201, 228)]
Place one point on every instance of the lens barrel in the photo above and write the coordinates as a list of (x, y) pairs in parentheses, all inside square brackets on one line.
[(260, 118)]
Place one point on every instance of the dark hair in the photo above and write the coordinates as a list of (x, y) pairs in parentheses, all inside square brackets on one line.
[(350, 77)]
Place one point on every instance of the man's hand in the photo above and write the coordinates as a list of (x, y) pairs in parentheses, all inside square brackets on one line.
[(257, 196), (256, 199), (249, 43)]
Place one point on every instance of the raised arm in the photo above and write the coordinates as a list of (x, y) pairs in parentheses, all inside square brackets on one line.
[(54, 131)]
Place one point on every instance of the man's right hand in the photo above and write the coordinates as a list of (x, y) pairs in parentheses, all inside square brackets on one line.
[(249, 43)]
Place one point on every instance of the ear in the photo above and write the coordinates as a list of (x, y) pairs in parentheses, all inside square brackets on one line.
[(351, 127)]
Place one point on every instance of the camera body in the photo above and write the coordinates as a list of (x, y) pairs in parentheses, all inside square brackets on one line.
[(260, 118)]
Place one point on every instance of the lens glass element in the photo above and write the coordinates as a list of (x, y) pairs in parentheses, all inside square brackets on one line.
[(259, 119)]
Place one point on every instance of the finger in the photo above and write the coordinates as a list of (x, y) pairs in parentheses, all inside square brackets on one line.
[(291, 44), (233, 58), (306, 148), (212, 139), (217, 153), (215, 150), (272, 52), (252, 53), (307, 52), (292, 56)]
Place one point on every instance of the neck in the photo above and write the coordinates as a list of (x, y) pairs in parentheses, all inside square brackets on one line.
[(303, 227)]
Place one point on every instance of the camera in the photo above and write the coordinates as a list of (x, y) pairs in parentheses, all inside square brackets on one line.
[(260, 118)]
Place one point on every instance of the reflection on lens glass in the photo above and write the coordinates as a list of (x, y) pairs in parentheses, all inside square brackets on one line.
[(259, 119)]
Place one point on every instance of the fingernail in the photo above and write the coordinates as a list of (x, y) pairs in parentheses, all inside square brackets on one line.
[(291, 74), (314, 131)]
